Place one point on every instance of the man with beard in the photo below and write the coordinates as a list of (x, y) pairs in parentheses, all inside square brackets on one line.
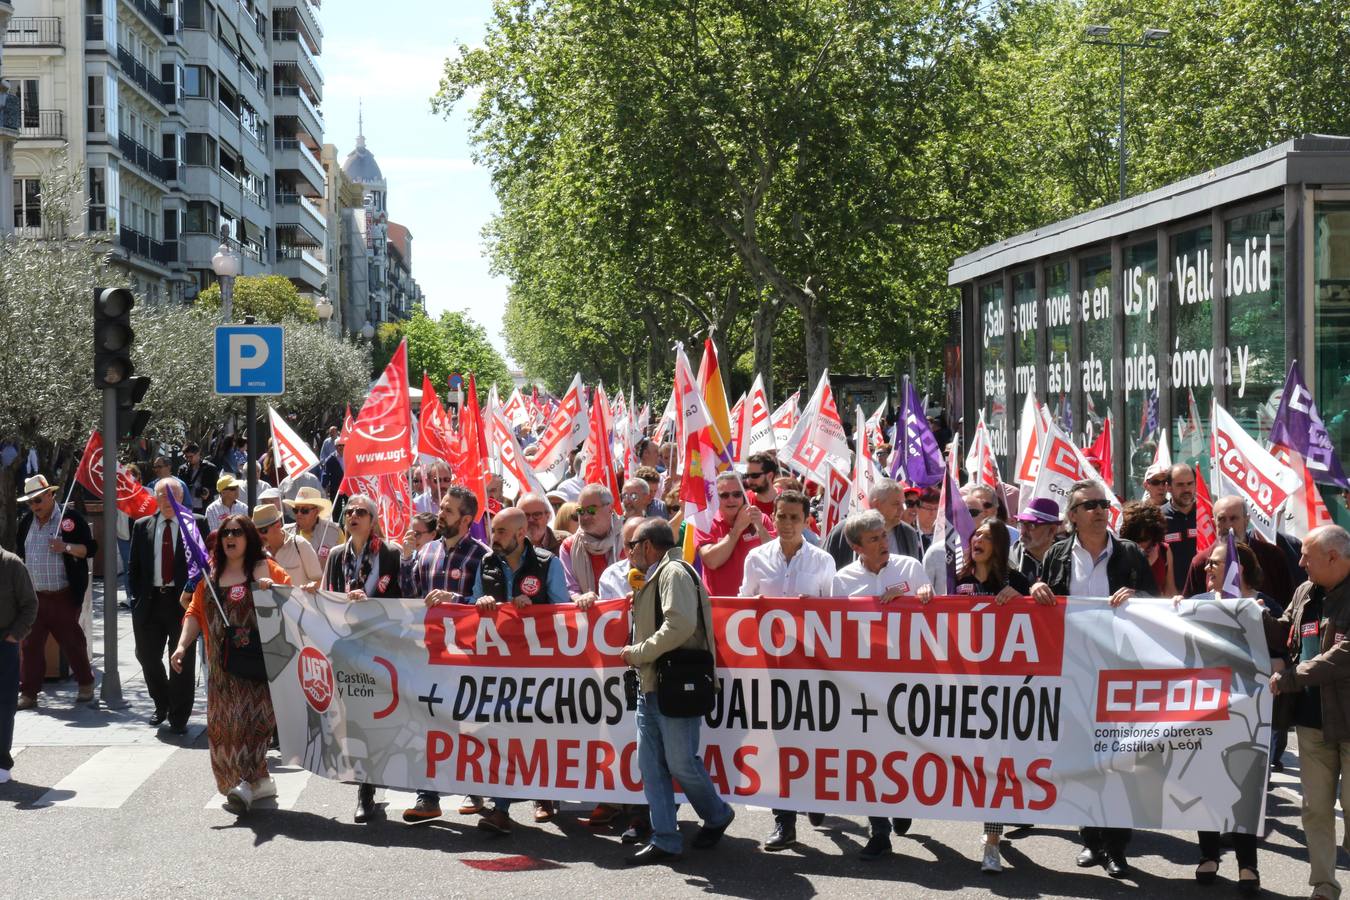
[(445, 571), (1180, 515), (538, 518)]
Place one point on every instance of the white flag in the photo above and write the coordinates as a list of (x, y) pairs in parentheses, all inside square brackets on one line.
[(756, 422), (1030, 436), (783, 420), (291, 454), (567, 429), (518, 477), (817, 442), (1243, 468), (866, 473), (1062, 463)]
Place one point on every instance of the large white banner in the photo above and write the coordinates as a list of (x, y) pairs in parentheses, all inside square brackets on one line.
[(1073, 714)]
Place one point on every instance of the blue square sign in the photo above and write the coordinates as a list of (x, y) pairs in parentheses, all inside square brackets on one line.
[(250, 360)]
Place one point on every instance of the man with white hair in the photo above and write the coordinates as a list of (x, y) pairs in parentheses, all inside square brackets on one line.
[(1230, 514), (634, 497), (738, 528), (888, 498), (1316, 624), (596, 545), (538, 516)]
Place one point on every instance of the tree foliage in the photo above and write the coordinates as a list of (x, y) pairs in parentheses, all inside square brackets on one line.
[(454, 343), (269, 298)]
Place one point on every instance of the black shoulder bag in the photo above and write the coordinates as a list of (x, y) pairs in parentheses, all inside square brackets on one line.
[(686, 677), (241, 651)]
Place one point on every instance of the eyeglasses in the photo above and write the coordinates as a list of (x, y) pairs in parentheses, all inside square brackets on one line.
[(1159, 482), (632, 545), (305, 510), (629, 498), (537, 516), (590, 510), (417, 533), (1092, 504), (727, 495), (231, 532), (356, 512)]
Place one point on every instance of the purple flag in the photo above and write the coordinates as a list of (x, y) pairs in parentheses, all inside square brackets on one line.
[(192, 541), (1298, 426), (916, 457), (956, 526), (1232, 585)]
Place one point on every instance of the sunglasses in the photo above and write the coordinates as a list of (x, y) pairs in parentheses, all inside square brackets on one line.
[(1159, 482), (727, 495), (1092, 504), (231, 532), (356, 512), (974, 510), (629, 497), (755, 474), (632, 545), (263, 529), (588, 510)]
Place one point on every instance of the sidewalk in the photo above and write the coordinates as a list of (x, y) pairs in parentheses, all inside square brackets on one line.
[(60, 721)]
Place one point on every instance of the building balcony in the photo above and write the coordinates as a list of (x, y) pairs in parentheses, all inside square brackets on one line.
[(159, 91), (137, 244), (292, 155), (297, 211), (290, 100), (10, 121), (29, 31), (289, 49), (43, 124), (160, 22), (301, 266), (158, 168), (301, 16)]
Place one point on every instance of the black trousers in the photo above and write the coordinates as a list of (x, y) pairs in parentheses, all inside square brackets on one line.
[(1110, 840), (157, 623), (1244, 847)]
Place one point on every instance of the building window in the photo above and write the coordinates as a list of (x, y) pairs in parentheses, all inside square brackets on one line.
[(992, 327), (1094, 313), (96, 113), (27, 203), (201, 218), (193, 13), (1331, 320), (201, 149), (1189, 362), (170, 224), (29, 103), (1253, 275), (98, 199), (1141, 360), (194, 81)]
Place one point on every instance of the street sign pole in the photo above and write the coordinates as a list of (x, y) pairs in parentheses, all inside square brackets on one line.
[(111, 692), (251, 412)]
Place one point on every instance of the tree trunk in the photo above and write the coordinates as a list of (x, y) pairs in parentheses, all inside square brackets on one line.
[(816, 327), (763, 327), (9, 507)]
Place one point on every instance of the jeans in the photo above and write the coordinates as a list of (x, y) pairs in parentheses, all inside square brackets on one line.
[(668, 749), (9, 699)]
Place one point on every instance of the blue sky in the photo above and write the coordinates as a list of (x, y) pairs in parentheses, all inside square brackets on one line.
[(389, 56)]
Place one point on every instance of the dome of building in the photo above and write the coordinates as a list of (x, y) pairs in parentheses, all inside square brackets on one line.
[(360, 165)]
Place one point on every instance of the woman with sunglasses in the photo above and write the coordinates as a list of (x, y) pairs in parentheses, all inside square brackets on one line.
[(1249, 582), (239, 718), (988, 573), (364, 567)]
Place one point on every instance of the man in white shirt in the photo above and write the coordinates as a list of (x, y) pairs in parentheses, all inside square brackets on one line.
[(227, 504), (614, 580), (788, 566), (439, 479), (879, 573)]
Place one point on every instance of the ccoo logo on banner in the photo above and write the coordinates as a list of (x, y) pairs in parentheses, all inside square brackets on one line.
[(960, 709)]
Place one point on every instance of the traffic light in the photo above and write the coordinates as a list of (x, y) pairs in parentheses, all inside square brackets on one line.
[(112, 336), (130, 420)]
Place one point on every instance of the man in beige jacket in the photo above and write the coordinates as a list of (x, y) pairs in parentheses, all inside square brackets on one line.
[(668, 746)]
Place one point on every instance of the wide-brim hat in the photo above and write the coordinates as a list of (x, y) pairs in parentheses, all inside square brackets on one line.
[(226, 482), (311, 496), (1040, 510), (265, 514), (35, 487)]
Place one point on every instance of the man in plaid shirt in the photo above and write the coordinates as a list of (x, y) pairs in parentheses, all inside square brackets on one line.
[(444, 571)]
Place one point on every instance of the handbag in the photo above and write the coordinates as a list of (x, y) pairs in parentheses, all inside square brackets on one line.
[(686, 677), (241, 652)]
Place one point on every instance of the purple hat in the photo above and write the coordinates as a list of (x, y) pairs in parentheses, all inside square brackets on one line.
[(1042, 509)]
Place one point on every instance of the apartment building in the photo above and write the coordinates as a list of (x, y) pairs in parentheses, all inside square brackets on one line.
[(196, 122), (9, 134)]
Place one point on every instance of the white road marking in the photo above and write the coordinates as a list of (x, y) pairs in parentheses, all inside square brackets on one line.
[(107, 779), (291, 780)]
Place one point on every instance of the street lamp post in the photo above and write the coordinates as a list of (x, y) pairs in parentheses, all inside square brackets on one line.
[(368, 331), (226, 266), (1148, 40), (323, 308)]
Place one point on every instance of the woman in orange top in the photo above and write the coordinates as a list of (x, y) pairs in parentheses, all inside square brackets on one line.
[(239, 718)]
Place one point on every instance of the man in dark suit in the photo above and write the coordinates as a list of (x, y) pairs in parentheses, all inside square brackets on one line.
[(200, 477), (156, 577)]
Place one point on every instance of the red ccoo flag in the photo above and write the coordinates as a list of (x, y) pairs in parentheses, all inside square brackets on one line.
[(381, 439), (433, 425), (132, 497)]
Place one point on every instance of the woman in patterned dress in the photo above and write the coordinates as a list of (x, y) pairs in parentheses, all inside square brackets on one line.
[(239, 719)]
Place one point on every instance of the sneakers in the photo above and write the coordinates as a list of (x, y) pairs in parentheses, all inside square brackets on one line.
[(471, 806), (264, 789), (86, 693), (27, 701), (424, 810), (636, 832), (240, 798), (992, 862), (603, 814), (495, 821)]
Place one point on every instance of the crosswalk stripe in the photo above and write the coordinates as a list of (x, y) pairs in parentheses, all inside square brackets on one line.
[(291, 780), (107, 779)]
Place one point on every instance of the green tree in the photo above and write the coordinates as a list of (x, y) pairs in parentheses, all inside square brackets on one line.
[(269, 298), (454, 343)]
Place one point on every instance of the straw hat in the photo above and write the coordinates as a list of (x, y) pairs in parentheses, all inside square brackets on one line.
[(265, 514), (311, 496), (35, 487), (226, 482)]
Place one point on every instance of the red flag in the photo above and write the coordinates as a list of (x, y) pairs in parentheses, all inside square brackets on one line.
[(1099, 454), (599, 456), (474, 473), (433, 425), (395, 504), (381, 439), (132, 497), (1205, 532), (347, 425)]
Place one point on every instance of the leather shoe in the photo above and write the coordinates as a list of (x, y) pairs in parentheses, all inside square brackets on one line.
[(495, 821), (603, 814), (471, 806), (636, 832), (158, 718), (1089, 857), (783, 837), (178, 729), (365, 804), (708, 836), (900, 826), (27, 701), (816, 819), (878, 845), (545, 811), (652, 855), (86, 693), (1116, 866)]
